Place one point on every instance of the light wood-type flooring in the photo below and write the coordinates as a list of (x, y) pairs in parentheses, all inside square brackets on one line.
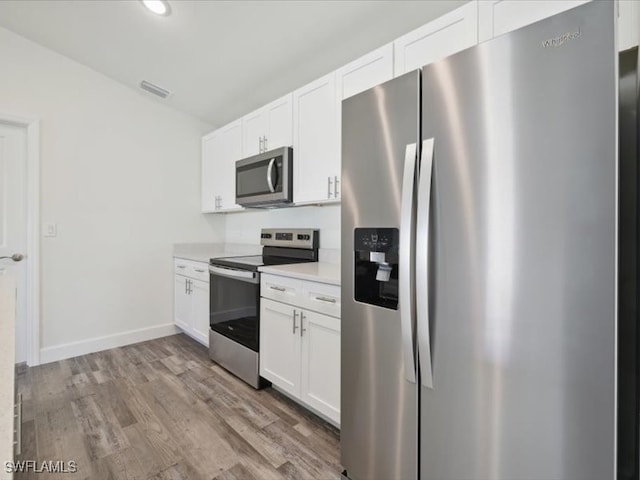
[(162, 410)]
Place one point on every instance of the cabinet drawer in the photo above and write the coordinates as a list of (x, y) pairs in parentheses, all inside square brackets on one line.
[(191, 269), (282, 289), (199, 271), (322, 298)]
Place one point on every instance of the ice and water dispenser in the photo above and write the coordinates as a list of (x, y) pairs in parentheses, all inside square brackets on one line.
[(376, 266)]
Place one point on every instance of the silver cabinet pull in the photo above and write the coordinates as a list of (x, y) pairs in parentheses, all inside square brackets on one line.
[(329, 182), (295, 315), (326, 299), (18, 430), (186, 286), (181, 266), (200, 270), (302, 329), (259, 144), (279, 289), (406, 296), (335, 187), (266, 143)]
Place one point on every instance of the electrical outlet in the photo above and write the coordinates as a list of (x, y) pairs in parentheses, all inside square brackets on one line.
[(50, 229)]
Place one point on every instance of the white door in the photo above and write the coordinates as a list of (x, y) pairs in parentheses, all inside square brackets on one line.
[(200, 310), (253, 132), (226, 173), (315, 140), (212, 151), (182, 303), (280, 345), (279, 116), (440, 38), (501, 16), (321, 363), (13, 212)]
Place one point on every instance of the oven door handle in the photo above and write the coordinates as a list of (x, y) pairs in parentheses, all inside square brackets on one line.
[(242, 275)]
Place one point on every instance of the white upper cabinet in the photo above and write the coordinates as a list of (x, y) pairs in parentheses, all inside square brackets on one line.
[(316, 155), (254, 127), (440, 38), (496, 17), (220, 151), (212, 149), (628, 24), (269, 127), (368, 71), (279, 115)]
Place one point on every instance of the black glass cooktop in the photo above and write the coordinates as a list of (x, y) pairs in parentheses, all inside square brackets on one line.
[(253, 262)]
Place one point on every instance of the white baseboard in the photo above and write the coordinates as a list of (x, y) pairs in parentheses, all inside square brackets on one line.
[(82, 347)]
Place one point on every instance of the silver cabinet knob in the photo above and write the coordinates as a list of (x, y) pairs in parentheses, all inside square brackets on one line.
[(16, 257)]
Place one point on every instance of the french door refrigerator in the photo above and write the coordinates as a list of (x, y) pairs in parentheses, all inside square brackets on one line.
[(479, 271)]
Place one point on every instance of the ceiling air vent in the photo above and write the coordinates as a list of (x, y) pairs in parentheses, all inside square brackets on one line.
[(155, 89)]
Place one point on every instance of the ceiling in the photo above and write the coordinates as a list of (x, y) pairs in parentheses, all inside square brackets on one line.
[(221, 59)]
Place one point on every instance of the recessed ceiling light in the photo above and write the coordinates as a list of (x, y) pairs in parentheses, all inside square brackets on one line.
[(159, 7)]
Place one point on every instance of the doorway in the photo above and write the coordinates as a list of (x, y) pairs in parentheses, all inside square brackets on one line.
[(19, 219)]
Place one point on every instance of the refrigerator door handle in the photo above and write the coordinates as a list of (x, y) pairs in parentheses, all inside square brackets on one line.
[(422, 262), (406, 287)]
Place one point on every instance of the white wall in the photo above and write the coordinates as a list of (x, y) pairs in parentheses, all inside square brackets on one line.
[(120, 176), (245, 227)]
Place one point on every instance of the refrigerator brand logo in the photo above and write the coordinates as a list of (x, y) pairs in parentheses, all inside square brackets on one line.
[(561, 39)]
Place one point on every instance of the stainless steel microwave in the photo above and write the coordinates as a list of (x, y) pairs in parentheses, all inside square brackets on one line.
[(266, 179)]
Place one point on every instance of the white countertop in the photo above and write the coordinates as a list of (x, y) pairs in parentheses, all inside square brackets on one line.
[(203, 252), (7, 367), (322, 272)]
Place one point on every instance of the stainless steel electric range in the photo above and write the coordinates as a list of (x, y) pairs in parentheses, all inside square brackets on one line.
[(234, 302)]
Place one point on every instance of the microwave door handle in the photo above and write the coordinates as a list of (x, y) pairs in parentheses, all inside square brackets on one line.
[(272, 188)]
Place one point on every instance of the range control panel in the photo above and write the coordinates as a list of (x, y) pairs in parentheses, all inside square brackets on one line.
[(290, 237)]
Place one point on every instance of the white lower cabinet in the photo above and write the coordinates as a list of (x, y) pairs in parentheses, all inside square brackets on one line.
[(280, 345), (300, 353), (191, 299), (320, 379)]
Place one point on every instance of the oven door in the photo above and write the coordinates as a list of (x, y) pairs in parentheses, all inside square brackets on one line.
[(234, 304)]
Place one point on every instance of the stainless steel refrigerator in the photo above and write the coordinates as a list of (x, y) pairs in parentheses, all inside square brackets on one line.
[(479, 271)]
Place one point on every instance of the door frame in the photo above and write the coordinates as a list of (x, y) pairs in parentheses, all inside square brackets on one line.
[(32, 127)]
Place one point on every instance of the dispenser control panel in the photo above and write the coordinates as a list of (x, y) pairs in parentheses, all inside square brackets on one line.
[(385, 240)]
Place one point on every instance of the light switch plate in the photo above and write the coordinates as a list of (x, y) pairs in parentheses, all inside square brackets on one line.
[(50, 230)]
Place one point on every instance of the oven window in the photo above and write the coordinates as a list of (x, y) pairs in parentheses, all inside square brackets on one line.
[(234, 310), (252, 179)]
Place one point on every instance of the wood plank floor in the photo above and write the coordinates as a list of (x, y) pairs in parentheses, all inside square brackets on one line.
[(162, 410)]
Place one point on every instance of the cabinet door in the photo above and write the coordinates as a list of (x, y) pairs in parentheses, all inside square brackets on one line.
[(212, 151), (226, 178), (444, 36), (496, 17), (368, 71), (315, 140), (279, 116), (280, 345), (181, 303), (200, 311), (321, 363), (254, 128), (629, 24)]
